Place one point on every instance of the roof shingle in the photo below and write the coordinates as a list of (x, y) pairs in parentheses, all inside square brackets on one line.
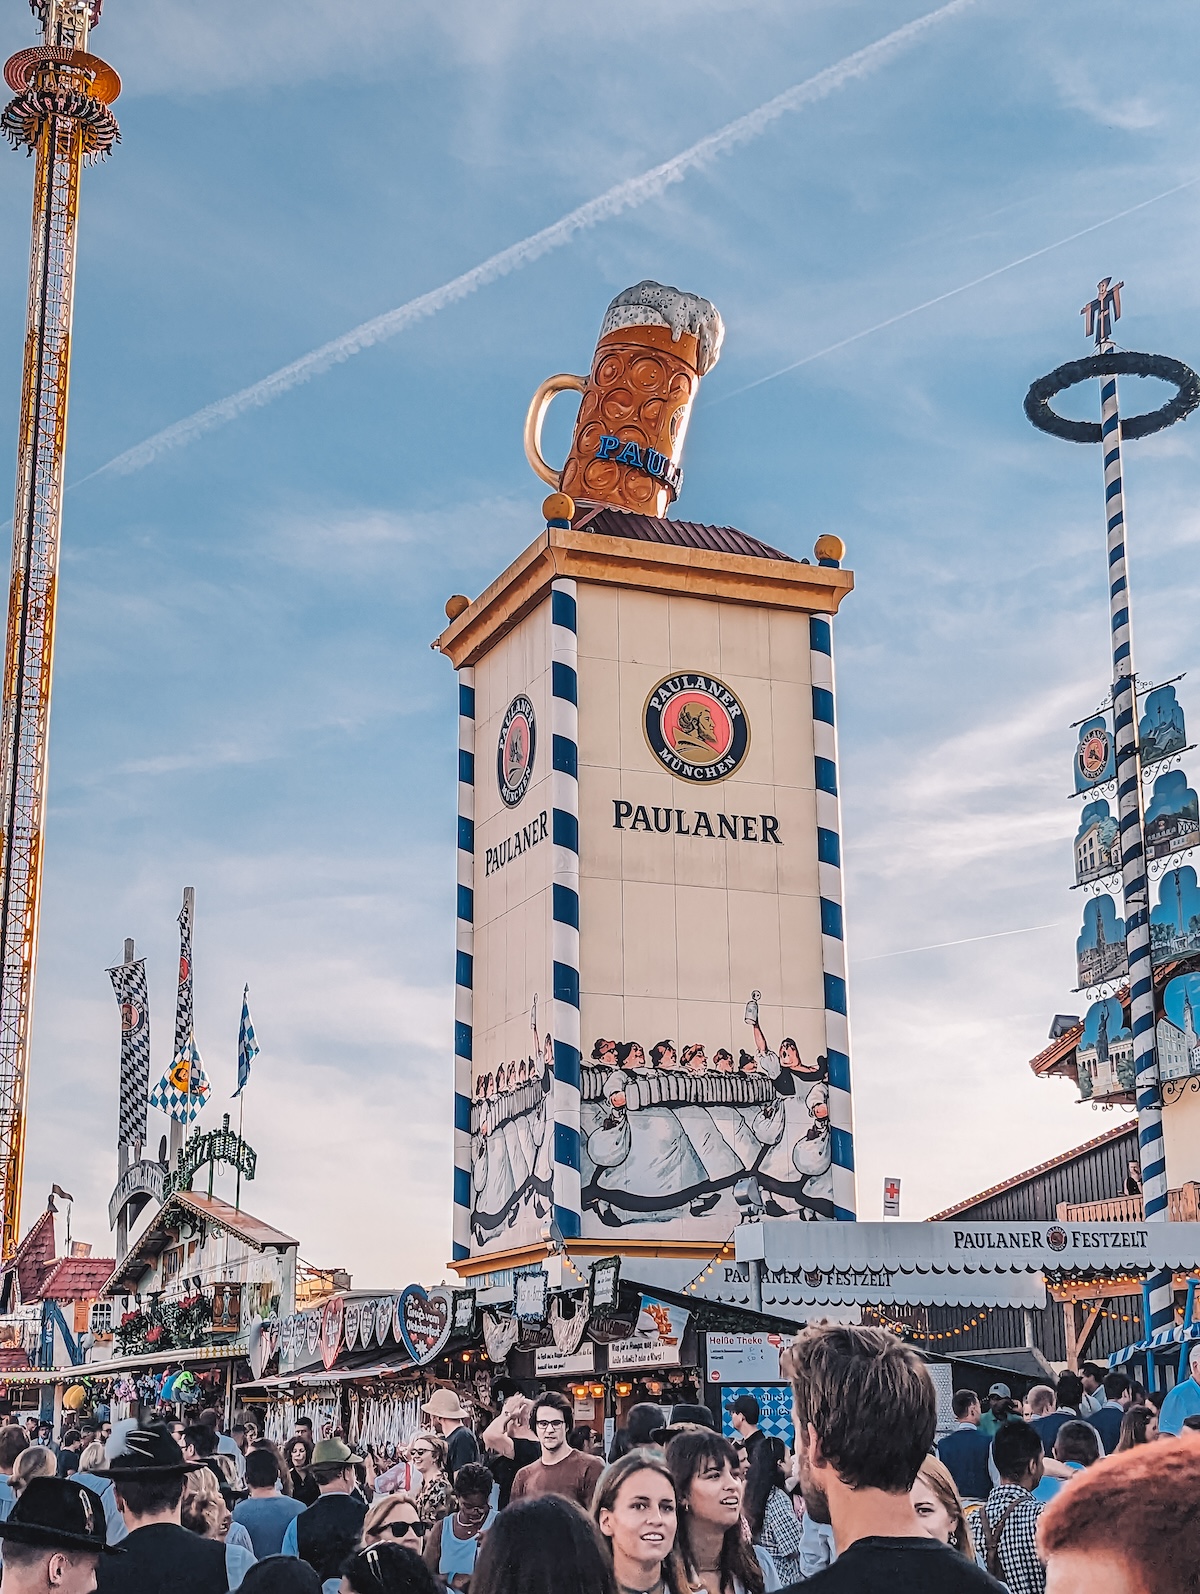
[(677, 533)]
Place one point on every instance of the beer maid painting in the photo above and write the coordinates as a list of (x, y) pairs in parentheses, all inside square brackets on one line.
[(512, 1144), (667, 1133)]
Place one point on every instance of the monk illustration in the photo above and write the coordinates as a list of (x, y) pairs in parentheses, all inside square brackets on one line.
[(695, 731)]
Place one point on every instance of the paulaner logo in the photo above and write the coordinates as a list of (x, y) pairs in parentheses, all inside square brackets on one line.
[(696, 727), (515, 750)]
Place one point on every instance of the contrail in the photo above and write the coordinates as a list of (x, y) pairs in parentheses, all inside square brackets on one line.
[(623, 196), (937, 946), (951, 293)]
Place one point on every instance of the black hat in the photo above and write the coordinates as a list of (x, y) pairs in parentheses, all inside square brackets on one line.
[(685, 1419), (145, 1453), (59, 1514)]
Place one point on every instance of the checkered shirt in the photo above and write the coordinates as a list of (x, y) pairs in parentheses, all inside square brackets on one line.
[(1020, 1568), (781, 1536)]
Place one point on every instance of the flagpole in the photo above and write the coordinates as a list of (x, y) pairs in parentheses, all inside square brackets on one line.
[(237, 1200)]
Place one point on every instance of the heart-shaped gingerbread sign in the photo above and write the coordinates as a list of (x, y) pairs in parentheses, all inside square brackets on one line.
[(423, 1322)]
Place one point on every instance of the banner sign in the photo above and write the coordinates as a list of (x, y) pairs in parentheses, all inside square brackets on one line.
[(657, 1337), (422, 1322), (934, 1248), (551, 1363), (744, 1358)]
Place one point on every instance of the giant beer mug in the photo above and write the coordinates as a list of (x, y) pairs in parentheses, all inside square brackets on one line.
[(655, 345)]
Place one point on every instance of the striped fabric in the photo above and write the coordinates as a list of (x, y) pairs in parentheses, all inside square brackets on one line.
[(833, 944), (464, 971), (1134, 883), (564, 731)]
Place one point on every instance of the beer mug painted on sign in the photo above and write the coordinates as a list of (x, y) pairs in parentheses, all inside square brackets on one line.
[(655, 345)]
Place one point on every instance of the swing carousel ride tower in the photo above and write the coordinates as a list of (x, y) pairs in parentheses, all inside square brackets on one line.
[(651, 1032), (61, 117)]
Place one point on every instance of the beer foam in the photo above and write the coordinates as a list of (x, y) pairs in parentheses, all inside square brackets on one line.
[(650, 304)]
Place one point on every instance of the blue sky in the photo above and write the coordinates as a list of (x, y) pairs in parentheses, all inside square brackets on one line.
[(245, 699)]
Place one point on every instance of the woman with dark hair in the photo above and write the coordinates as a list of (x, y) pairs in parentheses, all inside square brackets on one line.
[(638, 1515), (716, 1549), (1138, 1426), (298, 1453), (767, 1507), (453, 1544), (386, 1569), (543, 1546)]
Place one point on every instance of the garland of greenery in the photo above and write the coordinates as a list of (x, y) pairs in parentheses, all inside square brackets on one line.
[(1114, 363), (165, 1325)]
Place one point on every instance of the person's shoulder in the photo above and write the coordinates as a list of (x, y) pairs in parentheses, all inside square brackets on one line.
[(522, 1480), (904, 1566)]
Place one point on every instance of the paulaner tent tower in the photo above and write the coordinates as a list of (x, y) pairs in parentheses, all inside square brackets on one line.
[(61, 117)]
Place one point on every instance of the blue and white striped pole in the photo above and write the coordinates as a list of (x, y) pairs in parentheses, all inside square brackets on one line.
[(564, 830), (830, 551), (464, 965), (1134, 885)]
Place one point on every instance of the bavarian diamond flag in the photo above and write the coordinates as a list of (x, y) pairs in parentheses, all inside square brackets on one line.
[(247, 1045), (184, 1089), (129, 984)]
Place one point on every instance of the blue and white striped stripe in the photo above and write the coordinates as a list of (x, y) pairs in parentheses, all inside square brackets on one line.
[(564, 732), (464, 965), (1134, 885), (833, 941)]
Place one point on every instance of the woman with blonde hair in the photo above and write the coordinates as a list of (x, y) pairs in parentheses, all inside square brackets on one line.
[(636, 1508), (394, 1516), (36, 1462), (939, 1509), (204, 1511), (427, 1452)]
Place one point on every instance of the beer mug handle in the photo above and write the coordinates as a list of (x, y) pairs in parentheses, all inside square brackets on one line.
[(562, 383)]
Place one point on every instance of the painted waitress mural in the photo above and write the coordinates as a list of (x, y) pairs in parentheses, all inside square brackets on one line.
[(668, 1132), (512, 1139)]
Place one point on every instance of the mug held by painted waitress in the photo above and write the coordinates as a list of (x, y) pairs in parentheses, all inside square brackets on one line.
[(655, 345)]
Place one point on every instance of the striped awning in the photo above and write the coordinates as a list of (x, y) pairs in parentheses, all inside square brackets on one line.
[(1157, 1341)]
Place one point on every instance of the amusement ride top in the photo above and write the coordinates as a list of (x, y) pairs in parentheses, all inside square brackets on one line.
[(61, 116)]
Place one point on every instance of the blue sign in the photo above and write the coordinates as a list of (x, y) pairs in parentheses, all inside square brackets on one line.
[(774, 1410)]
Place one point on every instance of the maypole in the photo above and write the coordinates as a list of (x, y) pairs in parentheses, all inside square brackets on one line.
[(1106, 365), (60, 116)]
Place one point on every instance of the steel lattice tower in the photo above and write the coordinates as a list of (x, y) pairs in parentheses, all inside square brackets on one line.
[(61, 117)]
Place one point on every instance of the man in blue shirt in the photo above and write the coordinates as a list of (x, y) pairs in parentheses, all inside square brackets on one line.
[(1184, 1400), (267, 1514), (1069, 1394), (1118, 1394), (964, 1451)]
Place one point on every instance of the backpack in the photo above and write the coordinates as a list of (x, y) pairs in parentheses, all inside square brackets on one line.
[(993, 1535)]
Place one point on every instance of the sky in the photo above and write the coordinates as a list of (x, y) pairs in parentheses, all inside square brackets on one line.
[(245, 699)]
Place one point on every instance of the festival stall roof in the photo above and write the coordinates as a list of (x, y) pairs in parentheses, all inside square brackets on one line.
[(30, 1262), (148, 1361), (77, 1278), (984, 1263), (156, 1237)]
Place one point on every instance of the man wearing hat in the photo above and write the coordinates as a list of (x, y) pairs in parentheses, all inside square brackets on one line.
[(147, 1468), (53, 1538), (445, 1408), (1000, 1410), (330, 1529)]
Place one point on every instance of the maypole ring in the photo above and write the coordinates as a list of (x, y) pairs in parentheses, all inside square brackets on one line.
[(1123, 363)]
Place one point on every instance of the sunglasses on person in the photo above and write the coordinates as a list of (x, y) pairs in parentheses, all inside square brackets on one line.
[(401, 1530)]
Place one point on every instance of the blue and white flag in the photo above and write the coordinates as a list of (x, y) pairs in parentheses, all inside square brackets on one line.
[(247, 1045), (184, 1089)]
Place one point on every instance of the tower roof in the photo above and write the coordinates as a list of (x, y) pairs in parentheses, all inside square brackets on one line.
[(608, 522)]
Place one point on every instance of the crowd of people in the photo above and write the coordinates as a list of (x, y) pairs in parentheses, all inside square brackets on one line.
[(1030, 1496)]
